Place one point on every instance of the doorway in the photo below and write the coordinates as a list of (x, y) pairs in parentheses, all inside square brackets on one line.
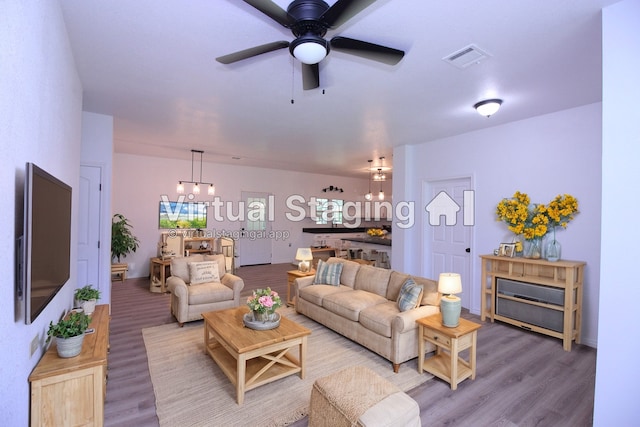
[(254, 246), (447, 231), (89, 226)]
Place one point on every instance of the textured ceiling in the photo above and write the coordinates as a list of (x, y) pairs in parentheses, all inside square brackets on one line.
[(151, 65)]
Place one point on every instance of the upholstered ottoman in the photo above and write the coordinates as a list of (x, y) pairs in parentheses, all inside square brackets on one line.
[(357, 396)]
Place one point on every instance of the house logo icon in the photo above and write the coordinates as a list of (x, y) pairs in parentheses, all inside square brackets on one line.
[(444, 205)]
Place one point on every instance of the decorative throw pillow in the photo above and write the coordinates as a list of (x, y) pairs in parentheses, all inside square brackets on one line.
[(410, 295), (203, 272), (328, 274)]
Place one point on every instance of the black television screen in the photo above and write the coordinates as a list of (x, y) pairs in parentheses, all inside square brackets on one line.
[(46, 240)]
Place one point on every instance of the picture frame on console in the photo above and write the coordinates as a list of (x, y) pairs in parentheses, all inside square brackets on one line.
[(507, 250)]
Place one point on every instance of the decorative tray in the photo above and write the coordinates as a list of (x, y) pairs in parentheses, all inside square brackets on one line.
[(259, 325)]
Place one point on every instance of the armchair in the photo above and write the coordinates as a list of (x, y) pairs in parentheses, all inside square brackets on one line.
[(193, 295)]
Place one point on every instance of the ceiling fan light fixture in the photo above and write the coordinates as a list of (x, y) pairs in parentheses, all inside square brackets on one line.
[(488, 107), (309, 49)]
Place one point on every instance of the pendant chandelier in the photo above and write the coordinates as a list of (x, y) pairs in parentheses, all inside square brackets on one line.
[(211, 190), (369, 196)]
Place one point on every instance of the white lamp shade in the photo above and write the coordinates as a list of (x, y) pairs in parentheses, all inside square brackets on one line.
[(196, 189), (212, 190), (449, 283), (304, 254), (309, 52), (180, 188)]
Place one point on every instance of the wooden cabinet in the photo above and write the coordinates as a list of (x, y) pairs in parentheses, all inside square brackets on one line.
[(198, 245), (71, 392), (533, 293)]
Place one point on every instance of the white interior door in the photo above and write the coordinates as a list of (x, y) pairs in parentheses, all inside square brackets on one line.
[(447, 242), (89, 226), (254, 246)]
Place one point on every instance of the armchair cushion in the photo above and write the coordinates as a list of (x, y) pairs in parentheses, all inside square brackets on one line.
[(219, 258), (209, 292), (180, 266), (203, 272)]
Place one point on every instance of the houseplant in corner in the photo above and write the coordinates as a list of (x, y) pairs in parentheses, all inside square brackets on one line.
[(86, 297), (123, 242), (69, 333)]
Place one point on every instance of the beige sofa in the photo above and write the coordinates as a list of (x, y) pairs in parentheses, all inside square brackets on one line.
[(364, 308), (189, 300)]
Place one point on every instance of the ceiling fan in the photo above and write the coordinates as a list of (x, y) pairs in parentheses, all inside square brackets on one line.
[(309, 21)]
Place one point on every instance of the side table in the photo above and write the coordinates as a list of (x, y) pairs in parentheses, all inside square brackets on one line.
[(161, 265), (446, 364), (291, 276)]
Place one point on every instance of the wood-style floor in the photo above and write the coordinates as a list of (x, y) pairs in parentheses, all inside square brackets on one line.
[(523, 378)]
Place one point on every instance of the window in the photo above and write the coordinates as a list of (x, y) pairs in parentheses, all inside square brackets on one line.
[(329, 211)]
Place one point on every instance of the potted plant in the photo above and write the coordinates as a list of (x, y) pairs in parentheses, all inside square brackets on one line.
[(86, 297), (69, 333), (123, 241)]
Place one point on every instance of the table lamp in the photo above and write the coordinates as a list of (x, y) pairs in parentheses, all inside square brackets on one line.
[(304, 255), (450, 305)]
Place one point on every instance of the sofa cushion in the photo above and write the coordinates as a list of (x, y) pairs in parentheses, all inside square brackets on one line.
[(203, 272), (349, 271), (395, 284), (222, 264), (316, 293), (430, 294), (373, 279), (410, 295), (328, 274), (180, 266), (379, 318), (207, 293), (349, 304)]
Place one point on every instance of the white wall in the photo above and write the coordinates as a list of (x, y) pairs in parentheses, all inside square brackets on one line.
[(40, 122), (543, 156), (617, 373), (139, 181), (97, 150)]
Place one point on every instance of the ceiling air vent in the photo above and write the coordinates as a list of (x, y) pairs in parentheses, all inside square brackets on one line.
[(466, 56)]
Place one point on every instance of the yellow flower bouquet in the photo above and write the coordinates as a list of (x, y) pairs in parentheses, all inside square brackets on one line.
[(375, 232)]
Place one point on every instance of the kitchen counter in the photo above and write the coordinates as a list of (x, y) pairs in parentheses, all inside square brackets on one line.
[(370, 240), (328, 230)]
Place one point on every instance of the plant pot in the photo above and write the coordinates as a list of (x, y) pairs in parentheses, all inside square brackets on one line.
[(69, 347), (88, 306)]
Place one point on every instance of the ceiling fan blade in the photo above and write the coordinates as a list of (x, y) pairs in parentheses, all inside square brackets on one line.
[(251, 52), (273, 11), (310, 76), (375, 52), (343, 10)]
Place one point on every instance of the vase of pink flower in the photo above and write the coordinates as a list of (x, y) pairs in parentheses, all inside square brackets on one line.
[(263, 304)]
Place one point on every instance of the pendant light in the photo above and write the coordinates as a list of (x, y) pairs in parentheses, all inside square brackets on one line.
[(369, 196), (196, 184), (381, 193)]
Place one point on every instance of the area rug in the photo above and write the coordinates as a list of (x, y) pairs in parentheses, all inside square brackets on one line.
[(191, 390)]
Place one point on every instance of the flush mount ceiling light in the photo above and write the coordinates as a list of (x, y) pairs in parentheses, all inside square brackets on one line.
[(488, 107), (196, 187)]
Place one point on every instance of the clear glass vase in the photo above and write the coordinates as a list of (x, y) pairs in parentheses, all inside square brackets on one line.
[(533, 248), (553, 249)]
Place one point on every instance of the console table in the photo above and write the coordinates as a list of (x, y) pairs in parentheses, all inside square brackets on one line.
[(66, 392), (535, 291)]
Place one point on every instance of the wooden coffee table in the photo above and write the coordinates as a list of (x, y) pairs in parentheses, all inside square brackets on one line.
[(251, 358)]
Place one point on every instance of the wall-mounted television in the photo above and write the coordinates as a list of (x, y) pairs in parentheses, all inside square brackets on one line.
[(182, 215), (46, 240)]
